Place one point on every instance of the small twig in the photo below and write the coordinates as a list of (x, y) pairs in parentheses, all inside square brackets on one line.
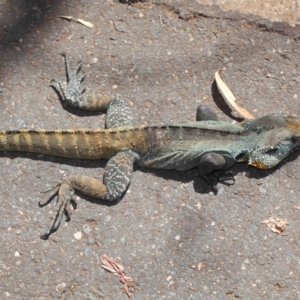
[(117, 269), (70, 18)]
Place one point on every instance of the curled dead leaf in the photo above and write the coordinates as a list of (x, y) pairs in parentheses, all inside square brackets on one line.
[(230, 98)]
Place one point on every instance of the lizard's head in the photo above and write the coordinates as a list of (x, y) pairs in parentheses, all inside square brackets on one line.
[(276, 144)]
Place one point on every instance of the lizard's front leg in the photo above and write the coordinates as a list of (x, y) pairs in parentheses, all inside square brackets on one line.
[(212, 168), (116, 179)]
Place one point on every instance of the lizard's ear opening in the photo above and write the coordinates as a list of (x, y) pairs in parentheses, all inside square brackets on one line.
[(271, 151)]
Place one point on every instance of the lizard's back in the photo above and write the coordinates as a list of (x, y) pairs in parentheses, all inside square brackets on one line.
[(181, 145), (163, 147)]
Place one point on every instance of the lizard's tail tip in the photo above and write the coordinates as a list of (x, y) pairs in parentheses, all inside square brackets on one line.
[(293, 124)]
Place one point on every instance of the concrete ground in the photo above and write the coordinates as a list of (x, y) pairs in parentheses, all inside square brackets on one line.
[(274, 10), (173, 236)]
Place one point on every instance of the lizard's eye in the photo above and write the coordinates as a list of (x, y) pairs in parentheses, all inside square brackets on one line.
[(271, 150), (293, 140)]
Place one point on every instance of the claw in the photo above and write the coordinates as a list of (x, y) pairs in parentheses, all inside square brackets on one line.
[(52, 188), (45, 236), (56, 223), (223, 176), (43, 203), (79, 66), (65, 200), (207, 178), (46, 202), (55, 84), (81, 78), (82, 90), (218, 176), (69, 207), (59, 87)]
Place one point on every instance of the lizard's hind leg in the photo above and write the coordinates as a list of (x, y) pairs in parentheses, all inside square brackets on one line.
[(72, 93), (118, 114), (117, 111), (116, 179)]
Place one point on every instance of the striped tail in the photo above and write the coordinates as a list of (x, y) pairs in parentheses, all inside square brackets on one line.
[(81, 144)]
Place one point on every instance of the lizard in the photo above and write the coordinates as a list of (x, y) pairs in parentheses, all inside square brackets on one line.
[(210, 145)]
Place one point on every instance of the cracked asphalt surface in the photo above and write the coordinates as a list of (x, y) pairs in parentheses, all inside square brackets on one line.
[(161, 57)]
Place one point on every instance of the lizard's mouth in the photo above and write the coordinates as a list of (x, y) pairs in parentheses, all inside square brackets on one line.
[(269, 157), (260, 165), (242, 156), (264, 161)]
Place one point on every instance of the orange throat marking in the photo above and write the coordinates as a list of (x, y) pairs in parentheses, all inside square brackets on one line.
[(259, 165)]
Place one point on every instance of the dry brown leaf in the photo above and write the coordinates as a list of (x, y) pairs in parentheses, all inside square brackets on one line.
[(199, 206), (85, 23), (117, 269), (229, 97), (201, 266), (276, 225)]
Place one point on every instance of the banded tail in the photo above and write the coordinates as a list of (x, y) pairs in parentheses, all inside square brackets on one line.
[(81, 143)]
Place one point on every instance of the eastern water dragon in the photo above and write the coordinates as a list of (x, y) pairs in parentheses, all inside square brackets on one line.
[(211, 145)]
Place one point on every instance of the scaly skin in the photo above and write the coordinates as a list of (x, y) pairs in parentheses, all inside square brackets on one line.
[(207, 143), (80, 144)]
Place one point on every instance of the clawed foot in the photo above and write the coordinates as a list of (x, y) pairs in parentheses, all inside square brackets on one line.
[(66, 203), (225, 177), (72, 92)]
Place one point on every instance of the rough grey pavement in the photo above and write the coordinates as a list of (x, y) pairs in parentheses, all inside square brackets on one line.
[(174, 237)]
